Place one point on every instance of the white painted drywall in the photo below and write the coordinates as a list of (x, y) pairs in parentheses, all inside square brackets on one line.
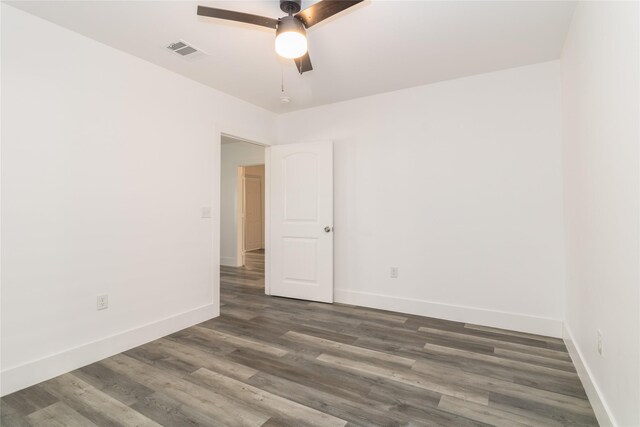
[(234, 154), (601, 137), (459, 184), (107, 161)]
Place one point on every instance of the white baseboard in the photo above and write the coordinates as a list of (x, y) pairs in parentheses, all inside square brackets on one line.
[(228, 261), (496, 319), (30, 373), (599, 405)]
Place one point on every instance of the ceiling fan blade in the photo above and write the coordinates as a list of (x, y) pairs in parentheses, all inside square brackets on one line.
[(324, 9), (303, 63), (231, 15)]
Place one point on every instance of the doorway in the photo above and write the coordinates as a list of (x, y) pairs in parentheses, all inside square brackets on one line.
[(251, 216), (243, 223), (276, 223), (242, 204)]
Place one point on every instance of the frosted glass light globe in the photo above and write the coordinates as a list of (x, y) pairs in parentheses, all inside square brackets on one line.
[(291, 38), (291, 44)]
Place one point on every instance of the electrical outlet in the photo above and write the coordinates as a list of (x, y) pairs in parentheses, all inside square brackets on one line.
[(393, 273), (103, 302), (600, 342)]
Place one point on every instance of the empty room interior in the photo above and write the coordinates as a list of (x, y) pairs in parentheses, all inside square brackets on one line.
[(320, 213)]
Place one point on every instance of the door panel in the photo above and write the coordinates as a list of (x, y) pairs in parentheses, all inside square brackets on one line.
[(301, 206), (300, 173), (299, 261)]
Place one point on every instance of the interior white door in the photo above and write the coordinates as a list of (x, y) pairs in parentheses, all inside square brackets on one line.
[(301, 221)]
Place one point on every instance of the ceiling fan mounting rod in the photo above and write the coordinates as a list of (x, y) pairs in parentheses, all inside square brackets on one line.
[(290, 6)]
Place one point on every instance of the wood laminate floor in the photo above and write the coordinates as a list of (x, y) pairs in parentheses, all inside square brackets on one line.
[(254, 260), (278, 362)]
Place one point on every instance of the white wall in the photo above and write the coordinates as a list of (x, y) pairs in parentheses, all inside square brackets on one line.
[(106, 163), (234, 154), (459, 184), (601, 137)]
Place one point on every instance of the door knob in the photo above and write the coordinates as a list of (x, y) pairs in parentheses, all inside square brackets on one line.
[(327, 229)]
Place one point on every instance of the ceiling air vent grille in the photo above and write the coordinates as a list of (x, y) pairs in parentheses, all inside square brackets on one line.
[(186, 50)]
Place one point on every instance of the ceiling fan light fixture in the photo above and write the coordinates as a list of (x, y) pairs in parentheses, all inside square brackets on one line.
[(291, 30), (291, 38)]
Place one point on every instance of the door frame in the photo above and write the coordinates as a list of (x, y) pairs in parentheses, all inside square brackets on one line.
[(216, 201), (239, 216), (240, 213)]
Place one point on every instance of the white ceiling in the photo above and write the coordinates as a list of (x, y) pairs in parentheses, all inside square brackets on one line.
[(376, 46)]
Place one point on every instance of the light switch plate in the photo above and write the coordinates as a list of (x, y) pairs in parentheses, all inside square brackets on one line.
[(600, 342), (103, 302)]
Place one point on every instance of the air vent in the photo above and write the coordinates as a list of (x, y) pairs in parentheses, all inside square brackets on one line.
[(186, 50), (176, 45)]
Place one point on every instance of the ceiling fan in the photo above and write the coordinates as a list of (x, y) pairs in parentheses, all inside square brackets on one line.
[(291, 33)]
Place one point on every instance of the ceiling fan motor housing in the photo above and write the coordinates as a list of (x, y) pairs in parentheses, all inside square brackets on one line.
[(290, 6), (290, 23)]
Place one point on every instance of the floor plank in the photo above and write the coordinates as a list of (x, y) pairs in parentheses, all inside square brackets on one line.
[(270, 361), (58, 415)]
